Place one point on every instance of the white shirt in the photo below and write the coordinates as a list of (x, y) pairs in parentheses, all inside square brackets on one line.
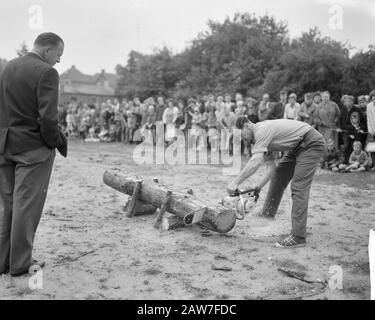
[(292, 113), (371, 118)]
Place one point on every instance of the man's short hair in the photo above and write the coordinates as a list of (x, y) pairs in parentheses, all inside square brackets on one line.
[(48, 38), (317, 94), (283, 92), (350, 97), (372, 94), (308, 95), (240, 122), (361, 98)]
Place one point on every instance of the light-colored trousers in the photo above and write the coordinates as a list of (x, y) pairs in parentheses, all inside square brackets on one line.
[(298, 166)]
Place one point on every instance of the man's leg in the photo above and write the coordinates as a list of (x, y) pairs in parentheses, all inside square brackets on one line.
[(307, 162), (347, 146), (33, 172), (372, 154), (6, 201), (279, 182)]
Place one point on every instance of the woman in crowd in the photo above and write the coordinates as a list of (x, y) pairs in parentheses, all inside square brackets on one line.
[(169, 119), (371, 123), (345, 124), (327, 118)]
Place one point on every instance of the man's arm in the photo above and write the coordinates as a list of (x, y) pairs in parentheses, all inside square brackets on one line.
[(47, 95), (270, 170), (251, 167)]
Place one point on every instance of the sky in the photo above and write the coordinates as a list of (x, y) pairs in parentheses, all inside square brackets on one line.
[(99, 34)]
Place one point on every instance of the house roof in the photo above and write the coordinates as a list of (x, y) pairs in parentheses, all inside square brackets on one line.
[(74, 75), (74, 81), (111, 77), (87, 89)]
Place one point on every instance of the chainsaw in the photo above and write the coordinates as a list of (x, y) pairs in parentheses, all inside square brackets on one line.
[(245, 205)]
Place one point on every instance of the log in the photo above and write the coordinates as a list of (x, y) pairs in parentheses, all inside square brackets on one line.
[(191, 209)]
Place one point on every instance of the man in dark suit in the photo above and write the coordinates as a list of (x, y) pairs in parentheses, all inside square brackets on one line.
[(277, 109), (29, 134)]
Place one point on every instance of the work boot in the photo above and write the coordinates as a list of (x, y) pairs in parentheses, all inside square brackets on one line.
[(291, 242)]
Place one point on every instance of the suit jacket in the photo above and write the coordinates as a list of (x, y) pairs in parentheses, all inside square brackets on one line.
[(28, 106), (276, 111)]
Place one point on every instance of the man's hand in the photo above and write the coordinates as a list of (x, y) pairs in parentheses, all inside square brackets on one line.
[(231, 189), (255, 189)]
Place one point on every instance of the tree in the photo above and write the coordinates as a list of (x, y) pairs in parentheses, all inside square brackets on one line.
[(22, 50), (251, 55), (235, 55), (311, 63), (360, 73), (232, 56), (149, 75)]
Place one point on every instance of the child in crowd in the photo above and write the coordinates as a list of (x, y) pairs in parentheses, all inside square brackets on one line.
[(358, 161), (70, 123), (169, 119), (210, 122), (119, 123), (196, 123), (334, 157), (84, 125), (130, 128)]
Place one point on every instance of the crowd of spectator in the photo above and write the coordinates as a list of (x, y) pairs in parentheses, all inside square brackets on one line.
[(347, 126)]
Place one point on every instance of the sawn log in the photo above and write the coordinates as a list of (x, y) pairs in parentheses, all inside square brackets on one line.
[(191, 209)]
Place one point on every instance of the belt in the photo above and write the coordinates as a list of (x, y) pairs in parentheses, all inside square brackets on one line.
[(302, 143)]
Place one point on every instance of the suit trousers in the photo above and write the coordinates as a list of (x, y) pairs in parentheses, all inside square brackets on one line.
[(299, 166), (24, 180)]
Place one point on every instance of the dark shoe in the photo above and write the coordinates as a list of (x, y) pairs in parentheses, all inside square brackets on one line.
[(4, 272), (291, 242), (34, 264)]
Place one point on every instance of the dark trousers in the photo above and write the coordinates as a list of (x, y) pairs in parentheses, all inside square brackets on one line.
[(372, 155), (347, 142), (298, 166), (24, 180)]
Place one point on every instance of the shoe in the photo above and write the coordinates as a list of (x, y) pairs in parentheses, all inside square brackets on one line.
[(291, 242), (4, 272), (35, 263)]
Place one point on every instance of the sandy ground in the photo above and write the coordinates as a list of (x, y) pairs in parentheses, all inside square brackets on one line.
[(93, 251)]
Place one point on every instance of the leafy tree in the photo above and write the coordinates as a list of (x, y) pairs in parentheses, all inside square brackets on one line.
[(311, 63), (235, 55), (360, 73), (22, 50), (251, 55), (149, 75)]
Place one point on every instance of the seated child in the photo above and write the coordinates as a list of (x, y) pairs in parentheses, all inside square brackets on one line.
[(358, 161), (334, 158), (91, 137)]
